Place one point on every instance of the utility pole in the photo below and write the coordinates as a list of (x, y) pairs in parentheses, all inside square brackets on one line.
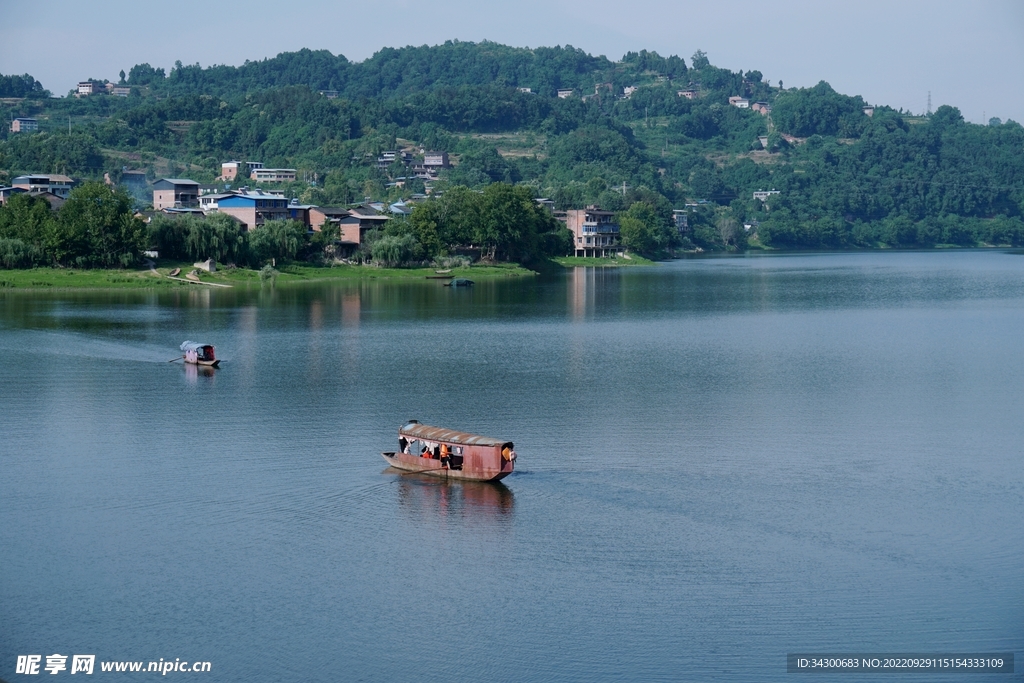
[(929, 103)]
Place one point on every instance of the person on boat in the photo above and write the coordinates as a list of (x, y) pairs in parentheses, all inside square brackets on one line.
[(444, 455)]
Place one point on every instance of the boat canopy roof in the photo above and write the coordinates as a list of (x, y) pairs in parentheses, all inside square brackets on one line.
[(194, 346), (426, 432)]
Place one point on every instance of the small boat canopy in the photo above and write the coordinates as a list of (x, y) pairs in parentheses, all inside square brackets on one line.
[(194, 346), (426, 432)]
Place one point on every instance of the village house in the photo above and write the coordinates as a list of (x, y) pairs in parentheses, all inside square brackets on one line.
[(628, 91), (682, 221), (59, 185), (229, 170), (120, 90), (762, 108), (211, 201), (24, 125), (594, 231), (386, 159), (868, 110), (324, 215), (353, 224), (8, 192), (765, 194), (688, 93), (254, 208), (86, 88), (564, 93), (300, 212), (272, 175), (739, 102), (175, 193)]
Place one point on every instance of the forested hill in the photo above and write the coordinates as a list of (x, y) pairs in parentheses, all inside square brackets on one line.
[(397, 72), (845, 175)]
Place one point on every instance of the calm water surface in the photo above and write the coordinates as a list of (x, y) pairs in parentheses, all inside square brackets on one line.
[(721, 461)]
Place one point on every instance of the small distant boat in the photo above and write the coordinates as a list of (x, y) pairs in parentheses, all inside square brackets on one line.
[(446, 453), (193, 275), (443, 272), (198, 353), (460, 282), (174, 273)]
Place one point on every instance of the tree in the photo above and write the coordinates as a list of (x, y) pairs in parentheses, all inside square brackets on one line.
[(729, 230), (643, 231), (276, 240), (391, 251), (25, 218), (96, 226)]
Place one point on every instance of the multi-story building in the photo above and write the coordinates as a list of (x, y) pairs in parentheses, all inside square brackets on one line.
[(229, 170), (59, 185), (273, 175), (175, 193), (682, 221), (90, 88), (211, 202), (24, 125), (594, 231), (435, 161), (253, 209), (385, 159), (740, 102)]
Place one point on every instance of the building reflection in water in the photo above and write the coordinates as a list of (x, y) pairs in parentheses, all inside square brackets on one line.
[(427, 497), (579, 279), (351, 309)]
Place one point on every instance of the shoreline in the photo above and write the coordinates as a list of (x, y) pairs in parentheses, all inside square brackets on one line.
[(54, 279), (158, 278)]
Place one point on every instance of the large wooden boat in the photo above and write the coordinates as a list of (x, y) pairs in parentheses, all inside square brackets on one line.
[(446, 453), (198, 353)]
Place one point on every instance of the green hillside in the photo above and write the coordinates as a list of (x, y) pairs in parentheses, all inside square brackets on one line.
[(844, 178)]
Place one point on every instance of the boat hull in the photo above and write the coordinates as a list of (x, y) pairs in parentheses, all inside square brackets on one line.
[(204, 363), (433, 467)]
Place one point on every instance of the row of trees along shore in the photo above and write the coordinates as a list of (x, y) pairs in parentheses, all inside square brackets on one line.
[(97, 227), (845, 179)]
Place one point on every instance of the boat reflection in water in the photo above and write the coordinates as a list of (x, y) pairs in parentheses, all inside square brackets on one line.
[(425, 496), (194, 372)]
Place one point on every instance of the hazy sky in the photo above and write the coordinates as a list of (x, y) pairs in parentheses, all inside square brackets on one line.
[(967, 54)]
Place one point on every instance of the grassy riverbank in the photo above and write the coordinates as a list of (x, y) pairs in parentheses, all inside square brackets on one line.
[(75, 278), (573, 261), (146, 278)]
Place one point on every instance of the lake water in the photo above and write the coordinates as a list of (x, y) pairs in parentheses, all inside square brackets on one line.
[(721, 461)]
